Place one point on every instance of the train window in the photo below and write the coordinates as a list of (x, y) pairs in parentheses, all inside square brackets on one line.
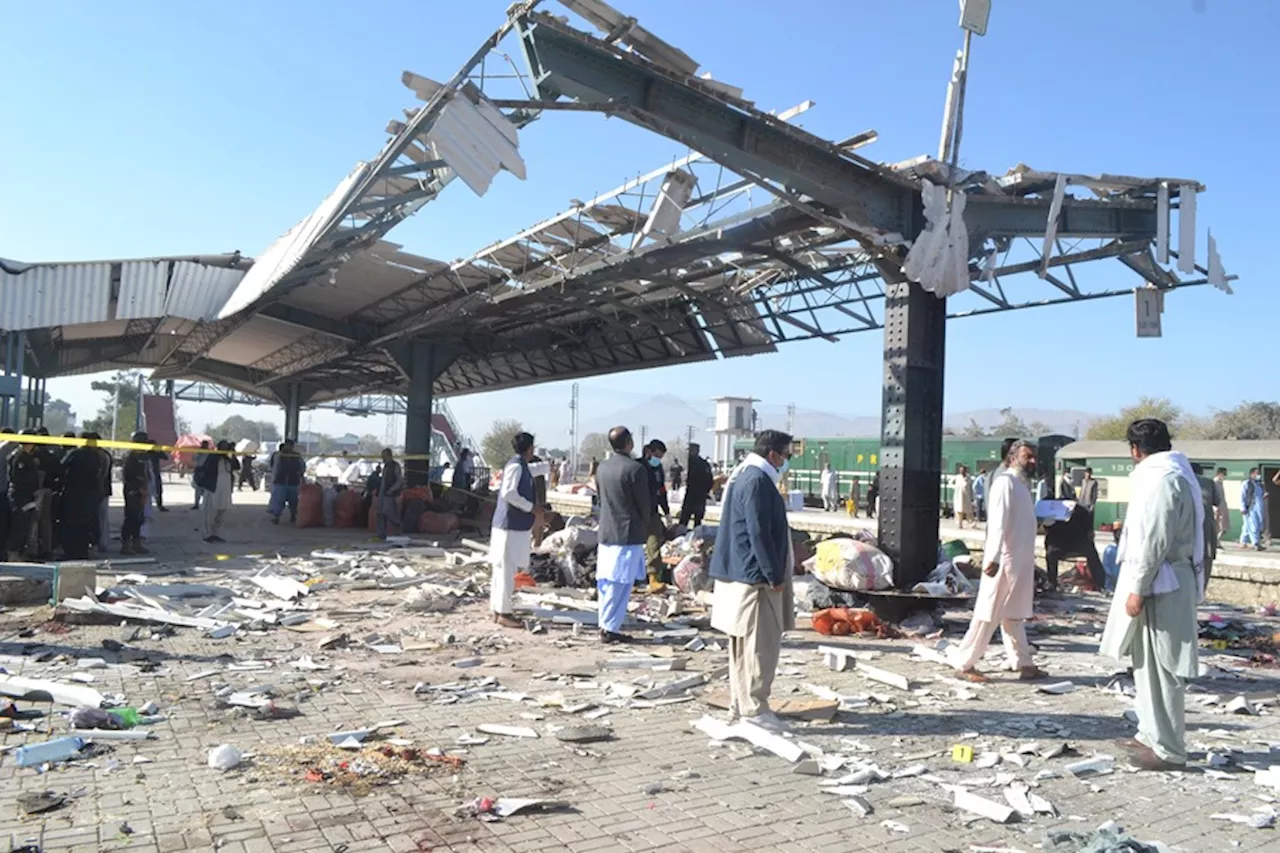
[(1102, 489)]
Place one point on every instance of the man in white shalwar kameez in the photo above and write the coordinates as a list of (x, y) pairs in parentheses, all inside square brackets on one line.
[(1152, 623), (1007, 589), (830, 489), (512, 533)]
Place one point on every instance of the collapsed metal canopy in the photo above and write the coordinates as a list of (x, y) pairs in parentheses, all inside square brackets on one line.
[(716, 254)]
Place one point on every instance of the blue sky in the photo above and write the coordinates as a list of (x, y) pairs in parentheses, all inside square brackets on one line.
[(155, 128)]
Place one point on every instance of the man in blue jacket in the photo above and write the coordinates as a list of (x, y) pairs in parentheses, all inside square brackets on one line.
[(752, 566)]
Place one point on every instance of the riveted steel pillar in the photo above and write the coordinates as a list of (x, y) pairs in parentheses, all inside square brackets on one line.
[(292, 410), (911, 432), (417, 423)]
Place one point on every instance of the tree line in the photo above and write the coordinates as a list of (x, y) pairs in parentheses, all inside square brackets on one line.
[(1249, 421)]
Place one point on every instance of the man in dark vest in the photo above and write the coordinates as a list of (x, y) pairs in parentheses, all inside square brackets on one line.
[(286, 479), (626, 507), (512, 534)]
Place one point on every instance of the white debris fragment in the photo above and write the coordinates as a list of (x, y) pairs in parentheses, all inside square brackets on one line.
[(989, 809), (225, 757), (1241, 705), (1016, 795), (753, 734), (506, 731), (1058, 688), (894, 826), (859, 806), (1100, 764), (1269, 777)]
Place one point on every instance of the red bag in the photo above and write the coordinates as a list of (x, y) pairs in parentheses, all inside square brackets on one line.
[(310, 505)]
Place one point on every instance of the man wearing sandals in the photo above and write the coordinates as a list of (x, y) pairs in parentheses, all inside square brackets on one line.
[(1007, 589), (1152, 623)]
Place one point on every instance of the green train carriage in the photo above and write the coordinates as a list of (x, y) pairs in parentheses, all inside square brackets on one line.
[(856, 460), (1112, 464)]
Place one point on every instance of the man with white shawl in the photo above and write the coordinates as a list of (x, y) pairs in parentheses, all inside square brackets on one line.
[(512, 534), (1152, 623), (1006, 592), (752, 566), (830, 482)]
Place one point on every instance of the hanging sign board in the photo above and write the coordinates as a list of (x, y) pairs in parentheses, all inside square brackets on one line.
[(1149, 304)]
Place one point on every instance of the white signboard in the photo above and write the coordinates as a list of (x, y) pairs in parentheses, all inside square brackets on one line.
[(1149, 304)]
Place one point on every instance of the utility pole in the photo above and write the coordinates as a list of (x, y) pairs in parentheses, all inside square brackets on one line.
[(139, 422), (688, 435), (791, 418), (115, 411), (644, 435), (573, 429)]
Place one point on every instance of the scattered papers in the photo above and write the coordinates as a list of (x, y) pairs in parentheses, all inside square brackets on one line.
[(972, 803)]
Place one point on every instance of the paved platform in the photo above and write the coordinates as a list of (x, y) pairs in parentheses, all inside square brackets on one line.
[(656, 786)]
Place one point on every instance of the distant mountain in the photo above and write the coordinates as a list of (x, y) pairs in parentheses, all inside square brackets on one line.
[(667, 416)]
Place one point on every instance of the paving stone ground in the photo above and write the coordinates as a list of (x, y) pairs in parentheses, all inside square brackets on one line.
[(716, 798)]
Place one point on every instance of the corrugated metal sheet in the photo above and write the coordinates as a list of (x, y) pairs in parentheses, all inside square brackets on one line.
[(282, 256), (476, 140), (256, 339), (198, 292), (142, 287), (50, 295)]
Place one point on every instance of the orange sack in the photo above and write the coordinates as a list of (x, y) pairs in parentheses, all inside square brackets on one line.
[(347, 509), (310, 505)]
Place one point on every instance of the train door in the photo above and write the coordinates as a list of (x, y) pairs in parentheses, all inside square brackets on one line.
[(1273, 499)]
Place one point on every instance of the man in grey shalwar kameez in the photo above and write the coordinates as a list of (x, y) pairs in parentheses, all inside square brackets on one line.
[(1152, 623)]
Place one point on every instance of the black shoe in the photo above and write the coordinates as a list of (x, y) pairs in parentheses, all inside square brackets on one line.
[(163, 508), (211, 539), (610, 638), (217, 539), (275, 519)]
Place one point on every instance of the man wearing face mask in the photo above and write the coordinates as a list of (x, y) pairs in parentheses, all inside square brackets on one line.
[(660, 515), (1007, 589), (752, 566)]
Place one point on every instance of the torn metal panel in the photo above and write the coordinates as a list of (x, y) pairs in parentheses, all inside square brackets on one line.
[(476, 140), (664, 216), (1162, 223), (1051, 227), (1186, 228)]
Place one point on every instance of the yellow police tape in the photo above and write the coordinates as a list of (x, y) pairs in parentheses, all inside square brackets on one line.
[(112, 444)]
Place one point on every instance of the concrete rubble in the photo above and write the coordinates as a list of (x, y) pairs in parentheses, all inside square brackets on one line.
[(365, 670)]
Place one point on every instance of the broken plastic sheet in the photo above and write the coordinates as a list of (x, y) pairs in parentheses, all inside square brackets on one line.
[(939, 257)]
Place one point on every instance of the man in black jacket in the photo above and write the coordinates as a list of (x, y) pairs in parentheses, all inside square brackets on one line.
[(660, 514), (626, 505), (136, 476), (79, 501), (286, 478), (24, 482), (700, 479)]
